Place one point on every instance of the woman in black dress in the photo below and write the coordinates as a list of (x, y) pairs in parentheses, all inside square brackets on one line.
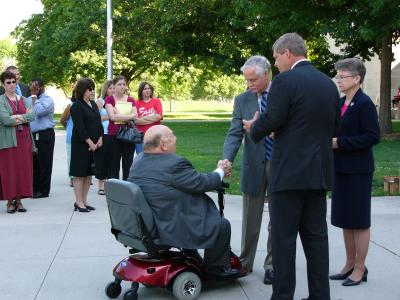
[(354, 167), (86, 141)]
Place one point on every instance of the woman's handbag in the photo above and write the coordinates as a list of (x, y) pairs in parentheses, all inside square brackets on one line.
[(130, 135)]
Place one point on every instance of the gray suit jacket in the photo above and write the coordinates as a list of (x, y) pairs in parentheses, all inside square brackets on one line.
[(253, 161), (185, 216)]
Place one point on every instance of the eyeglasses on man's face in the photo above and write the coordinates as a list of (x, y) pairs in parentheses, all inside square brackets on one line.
[(90, 89), (10, 82)]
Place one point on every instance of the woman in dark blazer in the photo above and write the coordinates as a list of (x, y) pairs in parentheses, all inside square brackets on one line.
[(86, 141), (354, 167)]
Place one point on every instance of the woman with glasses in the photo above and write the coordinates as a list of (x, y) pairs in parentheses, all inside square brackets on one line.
[(16, 169), (354, 167), (150, 111), (86, 141), (114, 106)]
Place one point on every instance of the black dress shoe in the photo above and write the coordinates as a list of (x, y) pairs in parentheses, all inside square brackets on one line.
[(341, 276), (90, 207), (350, 282), (269, 276), (39, 195), (222, 272), (77, 208)]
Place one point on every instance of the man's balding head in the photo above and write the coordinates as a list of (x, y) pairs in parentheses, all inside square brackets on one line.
[(159, 139)]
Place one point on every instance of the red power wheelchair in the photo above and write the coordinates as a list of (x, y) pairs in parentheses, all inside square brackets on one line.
[(150, 263)]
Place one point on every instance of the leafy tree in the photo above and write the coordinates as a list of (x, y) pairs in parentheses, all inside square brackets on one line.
[(224, 33), (215, 36), (7, 52), (366, 28)]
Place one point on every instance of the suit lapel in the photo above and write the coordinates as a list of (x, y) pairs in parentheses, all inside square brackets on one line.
[(353, 103)]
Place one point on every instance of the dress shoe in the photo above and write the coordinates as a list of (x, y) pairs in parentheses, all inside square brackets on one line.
[(341, 276), (90, 207), (269, 276), (39, 195), (19, 207), (350, 282), (222, 272), (11, 208), (77, 208)]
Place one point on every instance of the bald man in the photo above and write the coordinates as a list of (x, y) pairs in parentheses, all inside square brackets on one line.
[(185, 216)]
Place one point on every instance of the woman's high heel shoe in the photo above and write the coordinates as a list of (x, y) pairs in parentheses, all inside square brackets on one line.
[(349, 282), (341, 276), (90, 207), (77, 208)]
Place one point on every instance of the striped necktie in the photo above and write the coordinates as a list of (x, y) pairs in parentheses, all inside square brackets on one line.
[(268, 142)]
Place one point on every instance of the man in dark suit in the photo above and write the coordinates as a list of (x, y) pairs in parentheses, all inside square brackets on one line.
[(303, 113), (185, 216), (21, 89), (255, 161)]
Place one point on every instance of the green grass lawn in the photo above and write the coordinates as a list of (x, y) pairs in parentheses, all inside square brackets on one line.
[(202, 142), (196, 106)]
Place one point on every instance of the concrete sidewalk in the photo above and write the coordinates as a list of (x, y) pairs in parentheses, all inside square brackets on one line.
[(52, 253)]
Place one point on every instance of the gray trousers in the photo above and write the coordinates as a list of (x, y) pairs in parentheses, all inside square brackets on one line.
[(219, 255), (253, 207)]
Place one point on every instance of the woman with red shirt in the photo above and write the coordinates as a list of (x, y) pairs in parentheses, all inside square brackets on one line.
[(117, 148), (149, 110)]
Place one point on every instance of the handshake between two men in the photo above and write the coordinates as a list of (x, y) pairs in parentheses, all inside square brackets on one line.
[(226, 166)]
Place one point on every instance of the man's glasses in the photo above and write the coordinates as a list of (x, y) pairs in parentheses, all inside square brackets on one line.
[(90, 89), (341, 77), (10, 82)]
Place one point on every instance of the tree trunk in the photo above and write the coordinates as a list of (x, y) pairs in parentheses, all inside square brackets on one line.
[(385, 103)]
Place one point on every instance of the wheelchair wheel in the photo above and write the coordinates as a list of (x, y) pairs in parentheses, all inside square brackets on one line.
[(186, 286), (130, 295), (113, 289)]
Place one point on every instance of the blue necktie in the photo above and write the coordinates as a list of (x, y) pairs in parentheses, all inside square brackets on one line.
[(18, 90), (268, 142)]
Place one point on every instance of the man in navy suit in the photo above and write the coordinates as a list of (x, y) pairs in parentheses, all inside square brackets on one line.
[(302, 111)]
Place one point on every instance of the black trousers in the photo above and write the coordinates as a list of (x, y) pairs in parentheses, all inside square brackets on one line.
[(102, 160), (43, 160), (219, 255), (303, 212), (118, 150)]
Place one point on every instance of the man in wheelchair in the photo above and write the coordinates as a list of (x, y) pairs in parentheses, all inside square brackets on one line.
[(184, 215)]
